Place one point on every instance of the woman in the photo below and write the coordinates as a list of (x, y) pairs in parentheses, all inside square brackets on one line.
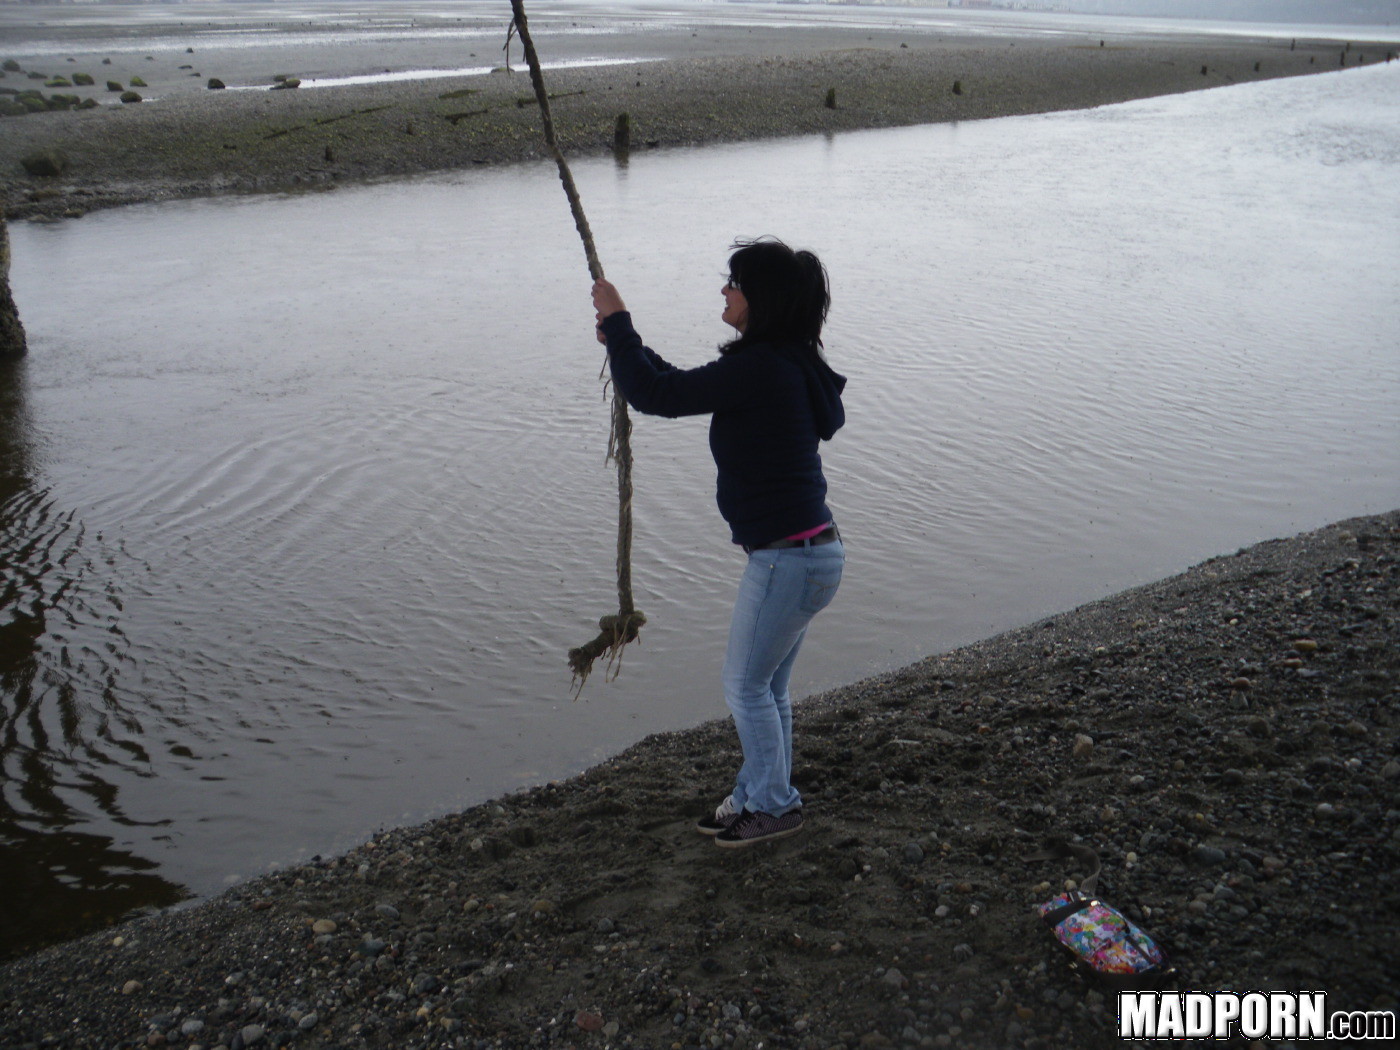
[(771, 398)]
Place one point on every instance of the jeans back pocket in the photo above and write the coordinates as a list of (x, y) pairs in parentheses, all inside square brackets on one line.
[(822, 581)]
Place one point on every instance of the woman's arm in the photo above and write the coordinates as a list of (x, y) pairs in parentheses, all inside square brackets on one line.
[(652, 385)]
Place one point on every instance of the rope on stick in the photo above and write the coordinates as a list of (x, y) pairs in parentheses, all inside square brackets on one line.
[(614, 631)]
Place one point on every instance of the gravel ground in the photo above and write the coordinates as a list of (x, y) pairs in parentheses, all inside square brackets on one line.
[(190, 141), (1226, 739)]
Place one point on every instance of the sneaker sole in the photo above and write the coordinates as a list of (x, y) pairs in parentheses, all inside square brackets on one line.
[(741, 843)]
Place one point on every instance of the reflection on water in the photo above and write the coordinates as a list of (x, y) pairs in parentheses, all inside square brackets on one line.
[(61, 727), (305, 513)]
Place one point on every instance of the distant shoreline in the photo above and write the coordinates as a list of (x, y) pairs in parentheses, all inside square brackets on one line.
[(195, 142)]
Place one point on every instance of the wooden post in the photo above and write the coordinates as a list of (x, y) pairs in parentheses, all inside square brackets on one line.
[(12, 340)]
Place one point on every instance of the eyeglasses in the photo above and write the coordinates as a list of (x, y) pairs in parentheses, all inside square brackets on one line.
[(731, 283)]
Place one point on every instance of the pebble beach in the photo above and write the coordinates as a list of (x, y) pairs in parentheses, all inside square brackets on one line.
[(1224, 739)]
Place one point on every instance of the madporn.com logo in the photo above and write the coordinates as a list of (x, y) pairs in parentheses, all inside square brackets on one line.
[(1251, 1015)]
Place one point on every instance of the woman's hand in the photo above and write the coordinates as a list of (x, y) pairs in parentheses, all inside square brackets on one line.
[(606, 301)]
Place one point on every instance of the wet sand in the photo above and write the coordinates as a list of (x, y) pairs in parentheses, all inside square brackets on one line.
[(712, 84)]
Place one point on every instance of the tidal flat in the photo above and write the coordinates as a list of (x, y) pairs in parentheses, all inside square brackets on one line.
[(679, 84)]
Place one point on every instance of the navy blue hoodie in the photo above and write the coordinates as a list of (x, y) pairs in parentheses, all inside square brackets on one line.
[(770, 405)]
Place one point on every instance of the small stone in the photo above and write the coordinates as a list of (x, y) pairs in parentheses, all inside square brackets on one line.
[(1242, 685), (252, 1034), (131, 987), (589, 1022), (1208, 856), (1083, 745), (321, 926), (894, 978), (387, 910), (1259, 727), (542, 907), (941, 912), (308, 1021), (1305, 645), (192, 1027), (913, 853), (1391, 770)]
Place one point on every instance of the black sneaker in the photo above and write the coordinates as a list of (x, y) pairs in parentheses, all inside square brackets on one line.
[(725, 814), (752, 828)]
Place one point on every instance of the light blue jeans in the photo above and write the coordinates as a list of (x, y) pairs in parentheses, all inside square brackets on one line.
[(780, 592)]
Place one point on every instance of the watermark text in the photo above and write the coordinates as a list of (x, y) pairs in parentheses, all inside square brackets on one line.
[(1252, 1015)]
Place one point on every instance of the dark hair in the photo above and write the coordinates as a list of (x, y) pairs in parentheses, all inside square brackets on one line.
[(786, 291)]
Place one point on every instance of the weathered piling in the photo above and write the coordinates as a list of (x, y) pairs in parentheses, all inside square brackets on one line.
[(12, 340)]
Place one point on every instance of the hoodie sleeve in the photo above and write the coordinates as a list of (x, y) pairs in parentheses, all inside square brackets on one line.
[(653, 386)]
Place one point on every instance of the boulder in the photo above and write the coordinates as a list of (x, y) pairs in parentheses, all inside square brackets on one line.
[(130, 96), (215, 84), (114, 85), (11, 66), (58, 82), (46, 163), (138, 82), (83, 80)]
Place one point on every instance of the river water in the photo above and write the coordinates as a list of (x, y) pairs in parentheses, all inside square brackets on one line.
[(304, 498)]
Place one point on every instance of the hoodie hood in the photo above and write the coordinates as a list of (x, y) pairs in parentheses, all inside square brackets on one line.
[(824, 387)]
